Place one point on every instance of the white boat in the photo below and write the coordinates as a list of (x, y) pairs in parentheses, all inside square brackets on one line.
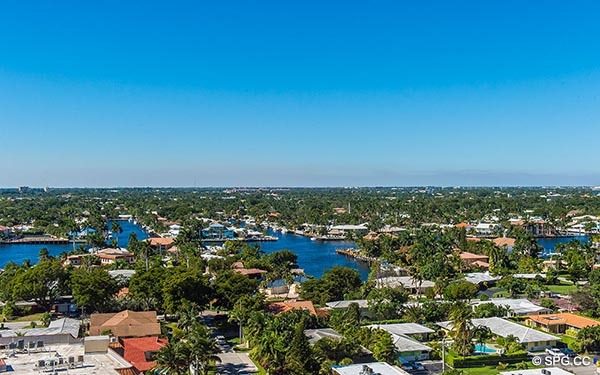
[(313, 238)]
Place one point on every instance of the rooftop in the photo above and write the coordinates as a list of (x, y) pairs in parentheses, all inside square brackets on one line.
[(403, 328), (519, 306), (135, 349), (315, 335), (377, 368), (569, 319), (126, 323), (504, 328), (362, 303)]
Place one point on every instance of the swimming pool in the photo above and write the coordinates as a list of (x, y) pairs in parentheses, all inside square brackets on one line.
[(484, 349)]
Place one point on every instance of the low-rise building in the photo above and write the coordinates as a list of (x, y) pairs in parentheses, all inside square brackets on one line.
[(407, 282), (373, 368), (561, 323), (110, 256), (125, 324), (533, 340), (406, 338), (516, 306)]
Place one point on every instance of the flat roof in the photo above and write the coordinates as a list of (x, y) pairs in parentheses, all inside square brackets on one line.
[(519, 306), (505, 328), (345, 304), (380, 368), (403, 328), (538, 371)]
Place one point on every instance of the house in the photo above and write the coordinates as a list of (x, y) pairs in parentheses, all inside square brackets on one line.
[(560, 323), (140, 351), (110, 256), (125, 324), (474, 260), (363, 306), (486, 229), (481, 278), (161, 243), (538, 371), (315, 335), (75, 260), (253, 273), (61, 331), (516, 306), (405, 337), (372, 368), (216, 231), (289, 305), (407, 282), (505, 242), (533, 340)]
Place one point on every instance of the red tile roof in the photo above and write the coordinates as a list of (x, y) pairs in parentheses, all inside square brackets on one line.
[(138, 351)]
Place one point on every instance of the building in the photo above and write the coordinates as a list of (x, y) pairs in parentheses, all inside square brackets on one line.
[(140, 351), (363, 306), (125, 324), (289, 305), (406, 282), (110, 256), (538, 371), (216, 231), (560, 323), (61, 331), (486, 229), (373, 368), (253, 273), (405, 337), (505, 242), (474, 260), (161, 243), (516, 306), (481, 278), (75, 260), (533, 340)]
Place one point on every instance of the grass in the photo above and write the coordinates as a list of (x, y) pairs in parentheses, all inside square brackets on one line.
[(562, 288), (27, 318), (492, 370)]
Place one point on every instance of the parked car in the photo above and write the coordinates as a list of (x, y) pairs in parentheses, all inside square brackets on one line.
[(418, 366), (555, 352), (568, 352)]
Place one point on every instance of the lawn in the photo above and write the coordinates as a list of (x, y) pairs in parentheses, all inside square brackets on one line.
[(491, 370), (27, 318), (562, 288)]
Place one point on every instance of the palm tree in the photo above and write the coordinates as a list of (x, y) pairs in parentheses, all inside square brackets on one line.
[(170, 359), (482, 334), (460, 317)]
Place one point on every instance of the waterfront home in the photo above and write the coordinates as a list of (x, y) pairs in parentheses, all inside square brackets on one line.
[(531, 339), (372, 368), (516, 306), (474, 260), (61, 331), (407, 282), (75, 260), (140, 351), (161, 243), (217, 231), (110, 256), (505, 242), (486, 229), (253, 273), (125, 324), (561, 323)]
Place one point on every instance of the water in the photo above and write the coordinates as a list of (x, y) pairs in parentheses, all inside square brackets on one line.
[(549, 243), (315, 257), (18, 253), (484, 349)]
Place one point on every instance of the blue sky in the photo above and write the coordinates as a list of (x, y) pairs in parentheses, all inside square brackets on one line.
[(308, 93)]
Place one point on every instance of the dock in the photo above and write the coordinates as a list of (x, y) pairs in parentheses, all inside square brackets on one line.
[(39, 240), (355, 254)]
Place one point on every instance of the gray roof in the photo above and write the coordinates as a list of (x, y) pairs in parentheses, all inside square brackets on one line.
[(315, 335), (379, 368), (518, 306), (57, 327), (126, 274), (504, 328), (362, 303), (480, 277), (403, 328), (406, 344)]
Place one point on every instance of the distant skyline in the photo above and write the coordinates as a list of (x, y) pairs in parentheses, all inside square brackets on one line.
[(312, 93)]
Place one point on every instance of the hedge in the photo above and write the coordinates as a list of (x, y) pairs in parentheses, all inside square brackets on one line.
[(485, 360)]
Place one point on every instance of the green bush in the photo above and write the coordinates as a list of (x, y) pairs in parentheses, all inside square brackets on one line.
[(485, 360)]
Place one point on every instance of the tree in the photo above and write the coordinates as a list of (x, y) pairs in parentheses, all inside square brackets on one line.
[(384, 349), (460, 290), (299, 357), (42, 283), (461, 330), (146, 287), (231, 286), (171, 359), (183, 284), (332, 286), (93, 289), (386, 303)]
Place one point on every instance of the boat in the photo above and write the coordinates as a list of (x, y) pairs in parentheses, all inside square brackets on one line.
[(313, 238)]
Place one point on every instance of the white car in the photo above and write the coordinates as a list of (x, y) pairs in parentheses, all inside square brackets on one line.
[(555, 352)]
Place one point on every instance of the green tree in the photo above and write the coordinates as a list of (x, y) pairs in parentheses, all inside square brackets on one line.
[(93, 289)]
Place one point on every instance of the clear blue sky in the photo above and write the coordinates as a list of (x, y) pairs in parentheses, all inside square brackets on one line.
[(311, 93)]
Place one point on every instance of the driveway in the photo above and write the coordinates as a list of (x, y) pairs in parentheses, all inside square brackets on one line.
[(235, 363)]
